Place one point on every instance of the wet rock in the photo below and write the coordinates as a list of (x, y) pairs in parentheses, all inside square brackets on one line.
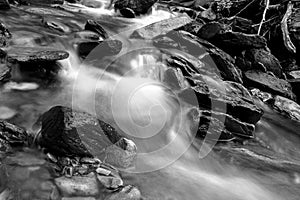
[(263, 96), (210, 55), (88, 35), (269, 83), (4, 73), (235, 42), (287, 107), (35, 55), (78, 185), (128, 192), (294, 74), (92, 3), (48, 11), (225, 97), (99, 49), (56, 25), (127, 12), (139, 7), (4, 5), (95, 26), (260, 58), (12, 134), (210, 30), (72, 133), (161, 27), (110, 182)]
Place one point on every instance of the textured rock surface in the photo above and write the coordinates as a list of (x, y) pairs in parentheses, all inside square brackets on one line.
[(287, 107), (78, 185), (71, 133), (269, 83), (12, 134), (35, 55), (95, 26)]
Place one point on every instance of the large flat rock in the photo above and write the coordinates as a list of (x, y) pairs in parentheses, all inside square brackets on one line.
[(35, 55)]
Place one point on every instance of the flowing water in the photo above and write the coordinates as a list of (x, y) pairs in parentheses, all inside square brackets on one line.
[(128, 92)]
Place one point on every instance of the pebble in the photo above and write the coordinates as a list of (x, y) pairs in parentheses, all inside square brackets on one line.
[(6, 113), (110, 182), (103, 171)]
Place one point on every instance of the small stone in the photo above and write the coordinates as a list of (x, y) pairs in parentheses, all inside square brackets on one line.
[(95, 26), (56, 25), (110, 182), (92, 3), (103, 171), (128, 192), (78, 186)]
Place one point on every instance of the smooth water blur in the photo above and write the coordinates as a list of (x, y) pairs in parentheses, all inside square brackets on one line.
[(129, 94)]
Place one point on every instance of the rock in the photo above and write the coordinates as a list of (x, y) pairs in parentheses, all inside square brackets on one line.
[(35, 55), (78, 185), (294, 74), (4, 5), (72, 133), (269, 83), (4, 31), (199, 48), (88, 35), (194, 27), (56, 25), (260, 58), (12, 134), (48, 11), (209, 30), (5, 73), (95, 26), (139, 7), (235, 42), (228, 97), (287, 107), (128, 192), (92, 3), (99, 49), (127, 12), (263, 96), (161, 27), (110, 182), (190, 12)]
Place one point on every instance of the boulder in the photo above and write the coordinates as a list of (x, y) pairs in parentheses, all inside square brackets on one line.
[(161, 27), (262, 60), (4, 5), (269, 83), (35, 55), (216, 58), (95, 26), (66, 132), (139, 7)]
